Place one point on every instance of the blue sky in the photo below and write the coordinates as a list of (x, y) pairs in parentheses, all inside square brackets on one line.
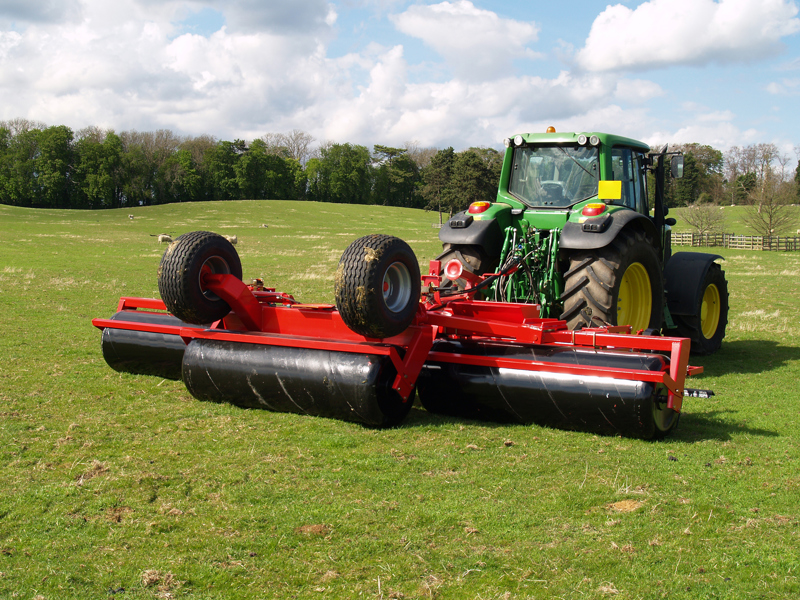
[(457, 73)]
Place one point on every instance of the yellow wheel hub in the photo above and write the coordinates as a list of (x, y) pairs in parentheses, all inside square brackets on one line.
[(709, 312), (635, 299)]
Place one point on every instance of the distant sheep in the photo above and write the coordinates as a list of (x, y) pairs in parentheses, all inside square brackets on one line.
[(264, 225), (232, 239), (163, 238)]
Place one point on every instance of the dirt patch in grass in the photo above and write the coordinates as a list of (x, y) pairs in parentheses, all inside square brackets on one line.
[(118, 513), (311, 530), (625, 506), (97, 468), (163, 581)]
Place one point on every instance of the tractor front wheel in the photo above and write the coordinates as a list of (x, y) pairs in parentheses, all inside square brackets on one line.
[(377, 286), (621, 284), (180, 276)]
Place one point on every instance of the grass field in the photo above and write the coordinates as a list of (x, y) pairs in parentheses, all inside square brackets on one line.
[(734, 221), (123, 486)]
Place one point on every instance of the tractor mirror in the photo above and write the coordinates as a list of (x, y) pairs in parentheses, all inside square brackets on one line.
[(676, 167)]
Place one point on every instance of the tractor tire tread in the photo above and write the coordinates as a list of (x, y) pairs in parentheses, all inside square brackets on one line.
[(593, 278)]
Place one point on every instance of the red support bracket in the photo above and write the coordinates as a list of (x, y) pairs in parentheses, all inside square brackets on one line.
[(238, 296), (409, 367)]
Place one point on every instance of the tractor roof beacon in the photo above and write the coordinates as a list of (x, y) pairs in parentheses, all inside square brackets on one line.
[(571, 230)]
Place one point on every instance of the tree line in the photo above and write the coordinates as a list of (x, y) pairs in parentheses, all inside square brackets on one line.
[(54, 167), (757, 176)]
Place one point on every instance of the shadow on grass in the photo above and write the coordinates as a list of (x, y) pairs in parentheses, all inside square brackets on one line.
[(746, 356), (692, 427), (696, 427)]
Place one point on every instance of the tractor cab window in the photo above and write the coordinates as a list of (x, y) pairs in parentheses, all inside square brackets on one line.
[(627, 166), (554, 176)]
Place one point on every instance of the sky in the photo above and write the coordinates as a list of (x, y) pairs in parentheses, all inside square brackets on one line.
[(456, 73)]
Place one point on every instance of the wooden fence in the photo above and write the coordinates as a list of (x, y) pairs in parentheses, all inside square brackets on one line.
[(777, 243), (738, 242)]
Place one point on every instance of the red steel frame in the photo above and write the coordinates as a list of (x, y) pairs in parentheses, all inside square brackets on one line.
[(276, 319)]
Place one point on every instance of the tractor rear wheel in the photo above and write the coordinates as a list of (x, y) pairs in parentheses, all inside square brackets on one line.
[(706, 327), (621, 284), (377, 286), (180, 276)]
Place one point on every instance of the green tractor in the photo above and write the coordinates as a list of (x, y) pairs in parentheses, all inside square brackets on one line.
[(571, 230)]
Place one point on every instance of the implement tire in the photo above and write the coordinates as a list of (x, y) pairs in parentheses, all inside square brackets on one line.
[(620, 284), (180, 276), (377, 286), (706, 328)]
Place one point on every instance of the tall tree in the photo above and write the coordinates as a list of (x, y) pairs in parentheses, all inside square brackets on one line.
[(184, 181), (220, 163), (797, 179), (20, 125), (702, 176), (54, 165), (145, 154), (342, 173), (296, 144), (492, 159), (421, 156), (98, 157), (18, 183), (251, 171), (436, 176), (704, 218), (396, 177), (472, 181), (769, 210)]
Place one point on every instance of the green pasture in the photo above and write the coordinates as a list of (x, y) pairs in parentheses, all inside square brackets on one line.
[(734, 220), (124, 486)]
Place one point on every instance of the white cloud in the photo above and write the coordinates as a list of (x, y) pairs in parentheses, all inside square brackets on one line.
[(476, 43), (784, 87), (41, 11), (689, 32), (132, 65), (464, 113), (123, 67), (721, 135), (298, 16), (637, 91)]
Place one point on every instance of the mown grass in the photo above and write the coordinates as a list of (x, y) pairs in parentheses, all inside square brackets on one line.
[(117, 485)]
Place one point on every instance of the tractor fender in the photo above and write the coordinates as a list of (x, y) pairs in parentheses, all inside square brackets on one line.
[(462, 229), (685, 273), (575, 237)]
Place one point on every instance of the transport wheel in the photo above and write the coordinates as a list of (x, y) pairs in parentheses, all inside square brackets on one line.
[(621, 284), (664, 419), (377, 286), (180, 276), (706, 328)]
